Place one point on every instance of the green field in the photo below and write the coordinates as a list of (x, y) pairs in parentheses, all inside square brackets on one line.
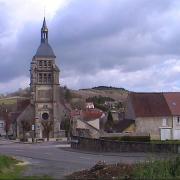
[(8, 101)]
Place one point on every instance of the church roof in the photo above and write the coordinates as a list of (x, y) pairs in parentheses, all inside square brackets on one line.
[(45, 50)]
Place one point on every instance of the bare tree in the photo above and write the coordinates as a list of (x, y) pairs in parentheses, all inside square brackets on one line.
[(7, 121), (47, 127), (25, 128)]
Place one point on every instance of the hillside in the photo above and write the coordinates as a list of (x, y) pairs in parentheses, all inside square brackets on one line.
[(119, 94)]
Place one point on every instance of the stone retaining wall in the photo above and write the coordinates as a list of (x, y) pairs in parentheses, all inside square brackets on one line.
[(99, 145)]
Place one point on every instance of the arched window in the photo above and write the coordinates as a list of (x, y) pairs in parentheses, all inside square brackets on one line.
[(49, 63), (45, 63), (45, 78), (49, 78), (40, 64), (40, 77)]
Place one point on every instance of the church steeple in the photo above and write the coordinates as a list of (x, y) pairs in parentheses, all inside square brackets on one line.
[(44, 49), (44, 32)]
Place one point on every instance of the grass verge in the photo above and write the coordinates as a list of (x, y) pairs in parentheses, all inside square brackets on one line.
[(150, 170), (159, 169), (9, 170)]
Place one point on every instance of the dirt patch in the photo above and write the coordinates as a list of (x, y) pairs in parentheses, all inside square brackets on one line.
[(104, 171)]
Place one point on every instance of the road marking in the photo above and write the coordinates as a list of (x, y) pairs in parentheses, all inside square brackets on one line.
[(19, 150)]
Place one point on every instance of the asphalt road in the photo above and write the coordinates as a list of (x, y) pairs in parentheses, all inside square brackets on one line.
[(57, 160)]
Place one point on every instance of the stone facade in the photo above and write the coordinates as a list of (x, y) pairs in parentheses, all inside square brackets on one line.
[(45, 87)]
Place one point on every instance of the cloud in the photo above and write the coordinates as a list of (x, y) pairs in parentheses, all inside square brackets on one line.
[(105, 34), (124, 43), (141, 80)]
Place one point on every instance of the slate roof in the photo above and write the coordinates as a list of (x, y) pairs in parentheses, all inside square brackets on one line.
[(149, 104), (45, 50), (173, 101)]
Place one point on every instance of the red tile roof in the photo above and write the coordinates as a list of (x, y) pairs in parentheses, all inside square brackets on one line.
[(91, 114), (173, 101), (149, 104)]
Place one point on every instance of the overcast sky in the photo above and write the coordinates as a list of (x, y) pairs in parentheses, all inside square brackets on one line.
[(133, 44)]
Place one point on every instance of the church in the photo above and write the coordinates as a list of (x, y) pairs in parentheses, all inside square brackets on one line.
[(44, 108)]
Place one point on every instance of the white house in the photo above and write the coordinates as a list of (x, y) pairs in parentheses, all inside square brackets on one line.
[(173, 101), (89, 105), (2, 126)]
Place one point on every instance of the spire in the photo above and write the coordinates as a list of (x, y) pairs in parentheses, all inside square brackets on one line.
[(44, 49), (44, 32)]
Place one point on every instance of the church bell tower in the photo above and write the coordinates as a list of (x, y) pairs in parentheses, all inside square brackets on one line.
[(44, 84)]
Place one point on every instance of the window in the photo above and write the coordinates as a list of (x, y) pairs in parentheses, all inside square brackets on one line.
[(45, 116), (45, 78), (40, 63), (164, 122), (178, 120), (1, 125), (45, 63), (40, 78), (49, 63), (49, 78)]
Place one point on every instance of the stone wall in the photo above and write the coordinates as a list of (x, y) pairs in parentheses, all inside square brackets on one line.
[(99, 145)]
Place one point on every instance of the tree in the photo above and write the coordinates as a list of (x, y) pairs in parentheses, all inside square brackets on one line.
[(66, 125), (25, 128), (68, 95), (78, 104), (109, 123), (47, 128)]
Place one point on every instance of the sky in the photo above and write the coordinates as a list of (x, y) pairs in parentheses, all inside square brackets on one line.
[(134, 44)]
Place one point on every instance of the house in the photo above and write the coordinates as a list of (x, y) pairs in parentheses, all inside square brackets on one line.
[(151, 113), (10, 109), (89, 105), (173, 101), (2, 127), (93, 117), (87, 123)]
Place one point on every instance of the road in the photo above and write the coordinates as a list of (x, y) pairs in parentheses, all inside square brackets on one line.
[(56, 160)]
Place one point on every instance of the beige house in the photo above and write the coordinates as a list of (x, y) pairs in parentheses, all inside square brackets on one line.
[(151, 114), (87, 121)]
